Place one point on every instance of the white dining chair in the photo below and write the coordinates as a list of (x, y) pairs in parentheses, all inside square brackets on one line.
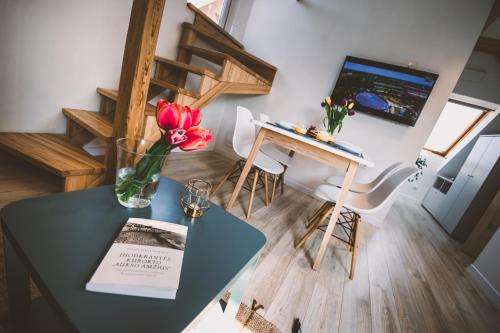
[(276, 154), (354, 205), (370, 186), (263, 165)]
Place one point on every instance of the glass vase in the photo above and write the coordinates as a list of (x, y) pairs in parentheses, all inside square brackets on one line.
[(332, 126), (137, 172)]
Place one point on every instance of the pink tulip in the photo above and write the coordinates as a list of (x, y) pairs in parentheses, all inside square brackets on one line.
[(176, 136), (195, 115), (197, 138), (168, 115), (171, 116)]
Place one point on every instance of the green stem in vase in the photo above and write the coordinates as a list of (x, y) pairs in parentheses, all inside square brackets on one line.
[(149, 165)]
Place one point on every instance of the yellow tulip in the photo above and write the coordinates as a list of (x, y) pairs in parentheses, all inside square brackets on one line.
[(328, 100), (351, 105)]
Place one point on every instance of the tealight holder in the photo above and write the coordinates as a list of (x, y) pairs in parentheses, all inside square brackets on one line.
[(195, 200)]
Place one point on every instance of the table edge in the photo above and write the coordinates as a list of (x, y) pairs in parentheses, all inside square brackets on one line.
[(336, 151)]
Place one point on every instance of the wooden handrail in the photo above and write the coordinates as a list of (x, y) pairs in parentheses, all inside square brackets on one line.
[(138, 57), (219, 58), (254, 63)]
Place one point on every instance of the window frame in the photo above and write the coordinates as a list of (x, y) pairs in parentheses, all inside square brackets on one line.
[(466, 132), (226, 8), (224, 13)]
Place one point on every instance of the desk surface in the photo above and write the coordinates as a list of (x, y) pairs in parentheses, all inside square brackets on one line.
[(315, 143), (62, 238)]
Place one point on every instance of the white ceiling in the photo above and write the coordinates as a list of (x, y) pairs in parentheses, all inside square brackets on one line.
[(493, 30)]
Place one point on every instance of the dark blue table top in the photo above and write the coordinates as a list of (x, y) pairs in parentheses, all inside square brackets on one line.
[(62, 238)]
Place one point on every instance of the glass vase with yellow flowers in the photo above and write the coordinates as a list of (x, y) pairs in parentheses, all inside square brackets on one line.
[(336, 112)]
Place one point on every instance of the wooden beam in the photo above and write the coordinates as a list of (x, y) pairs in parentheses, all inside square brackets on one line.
[(488, 45), (138, 58), (494, 14), (140, 47)]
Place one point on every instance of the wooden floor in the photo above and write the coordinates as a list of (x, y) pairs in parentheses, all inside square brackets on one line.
[(411, 276)]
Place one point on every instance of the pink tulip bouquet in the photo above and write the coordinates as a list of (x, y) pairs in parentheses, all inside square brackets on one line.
[(179, 127)]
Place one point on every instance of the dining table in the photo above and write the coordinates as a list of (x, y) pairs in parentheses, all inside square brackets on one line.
[(330, 154)]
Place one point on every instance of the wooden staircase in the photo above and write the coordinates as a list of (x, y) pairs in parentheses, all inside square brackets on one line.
[(238, 72)]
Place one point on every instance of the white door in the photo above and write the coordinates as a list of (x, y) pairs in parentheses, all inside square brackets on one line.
[(471, 178)]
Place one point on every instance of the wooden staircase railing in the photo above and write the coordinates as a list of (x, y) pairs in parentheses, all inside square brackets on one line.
[(130, 112)]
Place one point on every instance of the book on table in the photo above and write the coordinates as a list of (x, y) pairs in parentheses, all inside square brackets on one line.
[(144, 260)]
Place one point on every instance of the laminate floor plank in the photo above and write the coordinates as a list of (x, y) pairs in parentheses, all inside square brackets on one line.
[(410, 277), (356, 315), (383, 304)]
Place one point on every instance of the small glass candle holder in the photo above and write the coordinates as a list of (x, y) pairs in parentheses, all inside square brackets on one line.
[(195, 200)]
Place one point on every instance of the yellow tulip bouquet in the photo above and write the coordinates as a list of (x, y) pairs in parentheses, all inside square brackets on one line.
[(335, 113)]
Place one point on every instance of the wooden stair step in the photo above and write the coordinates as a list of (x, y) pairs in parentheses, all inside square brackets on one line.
[(173, 87), (186, 67), (94, 122), (109, 93), (113, 95), (52, 152), (254, 63), (203, 21), (219, 58)]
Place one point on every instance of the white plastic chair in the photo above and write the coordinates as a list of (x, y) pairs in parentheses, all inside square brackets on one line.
[(276, 154), (271, 150), (263, 165), (366, 187), (354, 205)]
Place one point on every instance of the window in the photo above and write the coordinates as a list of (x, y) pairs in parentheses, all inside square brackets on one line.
[(217, 10), (454, 123)]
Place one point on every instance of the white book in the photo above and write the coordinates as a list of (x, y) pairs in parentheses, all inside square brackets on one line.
[(144, 260)]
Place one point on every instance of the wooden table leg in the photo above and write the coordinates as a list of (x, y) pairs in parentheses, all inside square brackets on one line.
[(351, 171), (18, 288), (248, 165)]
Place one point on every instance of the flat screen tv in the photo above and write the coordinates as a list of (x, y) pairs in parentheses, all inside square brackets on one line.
[(388, 91)]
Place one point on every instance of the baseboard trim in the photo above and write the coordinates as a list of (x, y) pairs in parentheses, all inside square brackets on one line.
[(485, 285), (229, 153)]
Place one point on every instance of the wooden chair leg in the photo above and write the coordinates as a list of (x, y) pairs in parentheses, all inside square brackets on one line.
[(316, 214), (275, 177), (282, 178), (255, 178), (314, 226), (266, 189), (357, 229), (224, 179)]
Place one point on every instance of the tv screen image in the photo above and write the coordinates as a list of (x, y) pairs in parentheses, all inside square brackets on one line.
[(389, 91)]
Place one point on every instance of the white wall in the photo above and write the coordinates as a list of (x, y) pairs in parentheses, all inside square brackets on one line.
[(56, 52), (487, 270), (308, 42), (487, 85)]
